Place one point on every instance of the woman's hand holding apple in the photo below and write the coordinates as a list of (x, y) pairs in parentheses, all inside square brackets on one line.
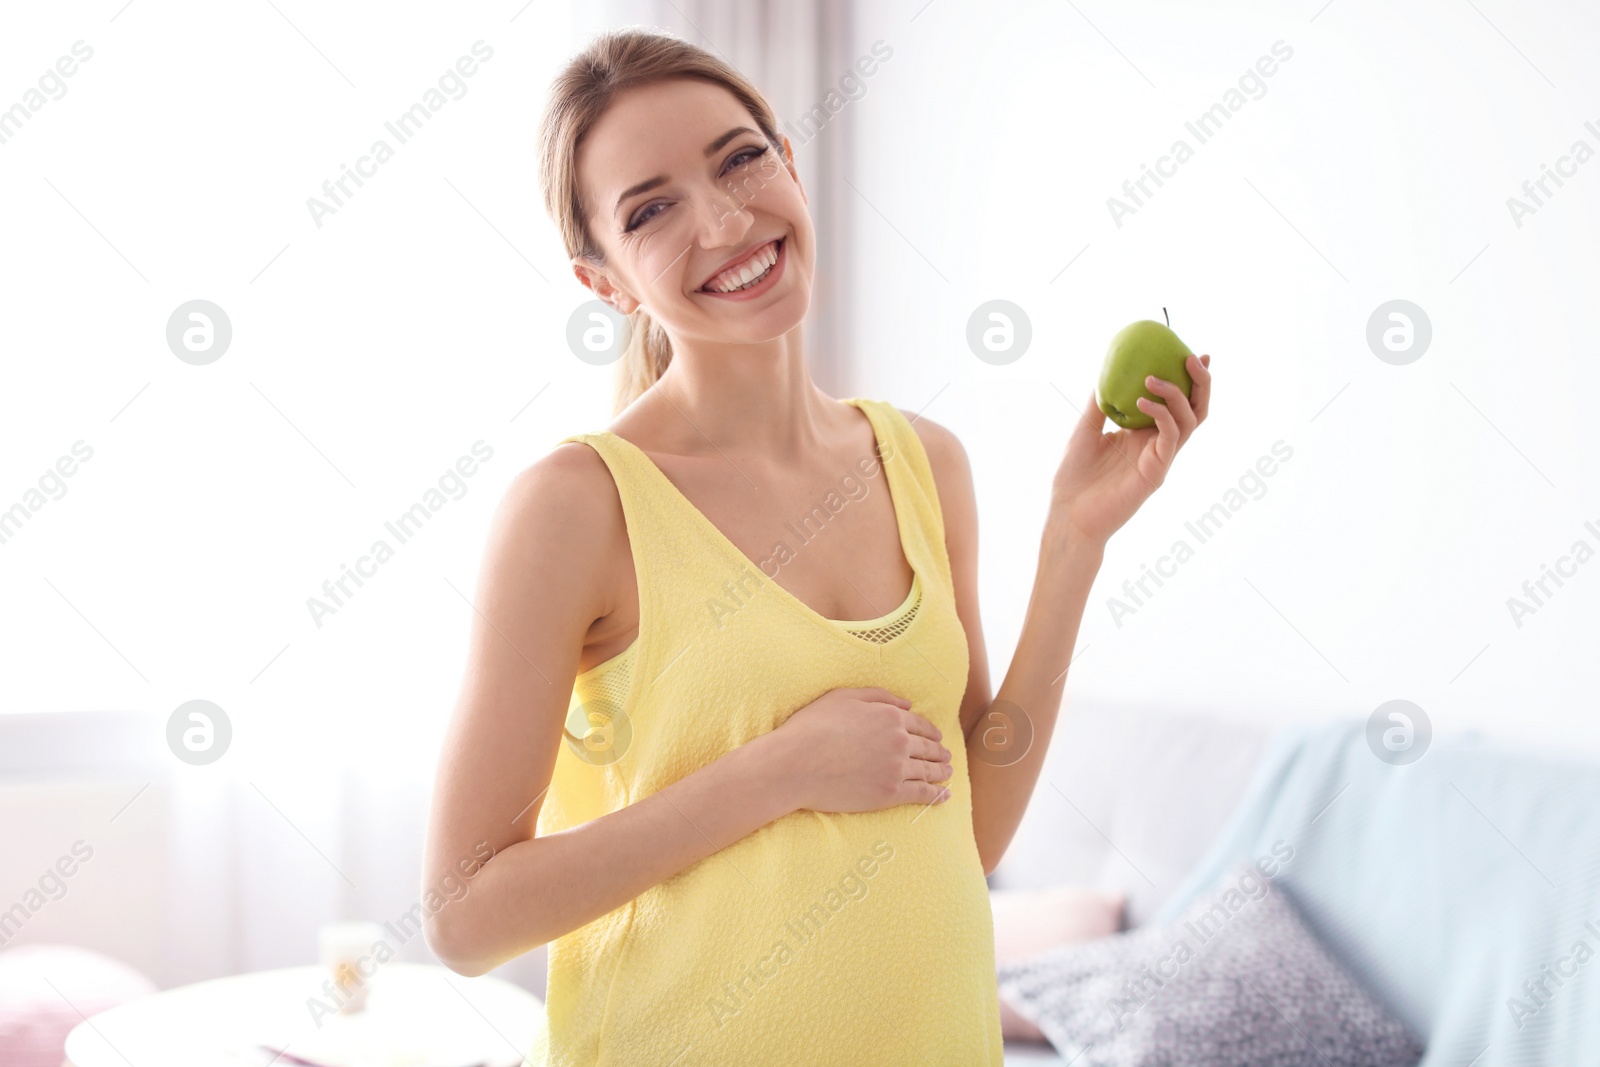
[(1104, 477)]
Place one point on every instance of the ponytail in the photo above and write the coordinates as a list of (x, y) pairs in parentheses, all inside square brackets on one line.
[(645, 359)]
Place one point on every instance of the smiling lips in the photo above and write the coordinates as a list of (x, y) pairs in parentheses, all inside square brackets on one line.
[(747, 272)]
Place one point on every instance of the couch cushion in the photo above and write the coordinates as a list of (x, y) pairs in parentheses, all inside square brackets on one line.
[(1236, 981)]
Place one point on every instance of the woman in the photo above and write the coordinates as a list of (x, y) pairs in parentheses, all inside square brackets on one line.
[(742, 795)]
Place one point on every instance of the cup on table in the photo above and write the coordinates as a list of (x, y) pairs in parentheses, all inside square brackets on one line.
[(348, 952)]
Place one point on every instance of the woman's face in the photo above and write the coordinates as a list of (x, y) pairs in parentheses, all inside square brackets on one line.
[(678, 184)]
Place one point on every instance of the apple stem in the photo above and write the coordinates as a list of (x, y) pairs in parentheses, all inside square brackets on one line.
[(1167, 317)]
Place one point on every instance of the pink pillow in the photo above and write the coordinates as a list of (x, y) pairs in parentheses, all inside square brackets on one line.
[(1030, 921), (35, 1020)]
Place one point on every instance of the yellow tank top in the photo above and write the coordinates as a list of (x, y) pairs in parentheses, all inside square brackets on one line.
[(822, 938)]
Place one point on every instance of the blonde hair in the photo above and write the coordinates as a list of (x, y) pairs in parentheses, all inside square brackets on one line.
[(611, 64)]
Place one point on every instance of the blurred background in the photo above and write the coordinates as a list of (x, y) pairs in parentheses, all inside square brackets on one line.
[(1354, 229)]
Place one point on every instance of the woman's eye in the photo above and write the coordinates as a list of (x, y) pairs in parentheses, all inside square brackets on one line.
[(739, 159), (641, 218)]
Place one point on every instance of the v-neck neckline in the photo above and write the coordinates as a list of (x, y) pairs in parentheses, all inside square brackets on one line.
[(835, 626)]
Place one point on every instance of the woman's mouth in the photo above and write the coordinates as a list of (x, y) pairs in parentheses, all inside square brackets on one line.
[(759, 274)]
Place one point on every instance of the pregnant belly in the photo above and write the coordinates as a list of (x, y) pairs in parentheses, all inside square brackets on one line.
[(804, 935)]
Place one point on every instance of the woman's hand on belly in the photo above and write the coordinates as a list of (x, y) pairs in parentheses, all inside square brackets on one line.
[(860, 749)]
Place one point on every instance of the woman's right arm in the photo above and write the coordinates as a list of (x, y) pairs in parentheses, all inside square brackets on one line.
[(545, 579)]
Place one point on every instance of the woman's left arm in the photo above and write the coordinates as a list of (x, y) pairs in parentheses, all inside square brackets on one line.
[(1102, 481)]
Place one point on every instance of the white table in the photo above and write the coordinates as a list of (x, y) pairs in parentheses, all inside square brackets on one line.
[(412, 1006)]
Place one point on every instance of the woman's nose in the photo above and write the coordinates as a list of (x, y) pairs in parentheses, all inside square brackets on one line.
[(725, 216)]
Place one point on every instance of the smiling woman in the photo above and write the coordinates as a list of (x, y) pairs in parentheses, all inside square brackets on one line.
[(684, 802), (675, 194)]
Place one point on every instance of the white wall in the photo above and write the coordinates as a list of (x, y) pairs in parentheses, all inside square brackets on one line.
[(368, 354), (1376, 166)]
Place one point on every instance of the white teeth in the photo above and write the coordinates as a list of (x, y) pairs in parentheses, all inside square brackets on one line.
[(751, 272), (740, 278)]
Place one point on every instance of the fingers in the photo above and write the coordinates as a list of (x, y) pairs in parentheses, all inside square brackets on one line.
[(1177, 403), (921, 770), (913, 723), (871, 693), (1091, 422), (928, 751), (1176, 414), (1199, 368), (923, 793), (1166, 443)]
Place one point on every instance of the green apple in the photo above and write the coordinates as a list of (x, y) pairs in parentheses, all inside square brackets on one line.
[(1142, 348)]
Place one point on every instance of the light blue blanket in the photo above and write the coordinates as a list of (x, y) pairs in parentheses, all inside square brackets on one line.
[(1446, 884)]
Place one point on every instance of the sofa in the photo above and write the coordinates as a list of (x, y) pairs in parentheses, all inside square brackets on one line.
[(1462, 889)]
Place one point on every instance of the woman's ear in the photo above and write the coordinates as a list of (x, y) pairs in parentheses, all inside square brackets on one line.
[(788, 161), (598, 281)]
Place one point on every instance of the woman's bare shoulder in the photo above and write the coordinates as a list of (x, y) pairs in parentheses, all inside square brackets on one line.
[(560, 521), (944, 449), (569, 485)]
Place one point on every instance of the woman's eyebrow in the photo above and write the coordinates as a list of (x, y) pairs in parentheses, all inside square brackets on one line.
[(650, 183)]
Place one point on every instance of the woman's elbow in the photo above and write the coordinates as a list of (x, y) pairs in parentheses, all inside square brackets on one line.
[(449, 947), (463, 948)]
